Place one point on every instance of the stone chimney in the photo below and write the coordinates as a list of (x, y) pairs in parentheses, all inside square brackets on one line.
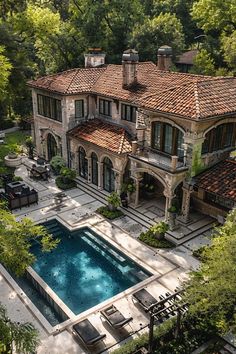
[(164, 55), (95, 58), (129, 62)]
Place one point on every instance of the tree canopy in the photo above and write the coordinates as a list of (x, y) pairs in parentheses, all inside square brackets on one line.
[(16, 239), (211, 291)]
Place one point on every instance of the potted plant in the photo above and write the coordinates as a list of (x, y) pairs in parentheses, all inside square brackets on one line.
[(67, 174), (12, 159), (160, 229), (57, 162), (30, 146), (113, 201), (172, 216), (149, 190)]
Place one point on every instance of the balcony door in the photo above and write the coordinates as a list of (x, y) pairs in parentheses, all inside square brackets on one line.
[(51, 146), (83, 163), (94, 162), (108, 175)]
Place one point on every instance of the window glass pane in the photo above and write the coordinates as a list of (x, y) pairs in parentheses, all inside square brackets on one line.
[(58, 111), (128, 113), (79, 109), (205, 145), (101, 106), (133, 114), (218, 132), (157, 136), (228, 135), (106, 110), (52, 108), (180, 141), (168, 139)]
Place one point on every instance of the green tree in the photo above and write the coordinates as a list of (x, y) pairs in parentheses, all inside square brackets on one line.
[(16, 239), (211, 291), (5, 69), (16, 337), (161, 30), (203, 64)]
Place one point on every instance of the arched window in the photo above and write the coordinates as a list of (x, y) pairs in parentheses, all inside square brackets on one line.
[(108, 175), (94, 163), (83, 163), (51, 146), (167, 139), (219, 138)]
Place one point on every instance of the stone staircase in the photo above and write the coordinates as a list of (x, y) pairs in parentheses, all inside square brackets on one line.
[(178, 237)]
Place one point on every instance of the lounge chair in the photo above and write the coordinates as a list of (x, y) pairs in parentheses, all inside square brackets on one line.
[(114, 317), (87, 333), (144, 298)]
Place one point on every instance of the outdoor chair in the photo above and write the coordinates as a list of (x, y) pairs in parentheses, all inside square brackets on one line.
[(144, 298), (115, 318), (87, 333)]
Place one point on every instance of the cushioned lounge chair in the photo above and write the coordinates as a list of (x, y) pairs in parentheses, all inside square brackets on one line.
[(114, 317), (87, 333), (144, 298)]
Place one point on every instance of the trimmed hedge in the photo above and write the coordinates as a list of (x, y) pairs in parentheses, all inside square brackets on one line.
[(111, 215), (64, 186), (150, 239)]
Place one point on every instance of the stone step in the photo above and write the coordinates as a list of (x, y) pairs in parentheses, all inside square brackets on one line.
[(172, 235), (101, 195), (228, 348)]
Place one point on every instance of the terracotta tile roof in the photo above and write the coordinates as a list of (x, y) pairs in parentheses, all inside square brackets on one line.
[(191, 96), (103, 134), (69, 82), (219, 179)]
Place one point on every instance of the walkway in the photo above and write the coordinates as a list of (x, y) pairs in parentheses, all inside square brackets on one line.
[(169, 267)]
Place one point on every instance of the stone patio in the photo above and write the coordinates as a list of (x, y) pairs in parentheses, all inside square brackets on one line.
[(169, 267)]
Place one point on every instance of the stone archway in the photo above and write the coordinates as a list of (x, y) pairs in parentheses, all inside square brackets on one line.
[(52, 148), (108, 175), (83, 163)]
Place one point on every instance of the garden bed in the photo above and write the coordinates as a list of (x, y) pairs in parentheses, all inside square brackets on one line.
[(111, 215), (150, 239), (64, 186)]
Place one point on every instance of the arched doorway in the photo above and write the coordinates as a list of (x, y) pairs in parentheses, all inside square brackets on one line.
[(83, 163), (108, 175), (51, 146), (94, 164)]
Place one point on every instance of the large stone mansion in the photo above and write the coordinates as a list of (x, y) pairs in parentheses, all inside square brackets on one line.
[(139, 121)]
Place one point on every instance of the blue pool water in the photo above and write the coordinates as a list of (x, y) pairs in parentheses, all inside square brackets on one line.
[(84, 269)]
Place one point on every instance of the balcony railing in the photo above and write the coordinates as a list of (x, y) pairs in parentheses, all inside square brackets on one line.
[(169, 163)]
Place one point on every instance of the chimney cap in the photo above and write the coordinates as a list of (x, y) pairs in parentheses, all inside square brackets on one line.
[(130, 55), (164, 50)]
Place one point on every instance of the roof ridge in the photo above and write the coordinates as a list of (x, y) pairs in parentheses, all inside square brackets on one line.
[(197, 104), (122, 141), (76, 72)]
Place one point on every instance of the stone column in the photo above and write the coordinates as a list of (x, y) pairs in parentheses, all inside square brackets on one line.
[(100, 175), (89, 169), (169, 197), (187, 190), (118, 181), (137, 185)]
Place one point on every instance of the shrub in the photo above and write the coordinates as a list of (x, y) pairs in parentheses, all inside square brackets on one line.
[(57, 162), (161, 227), (109, 214), (114, 200), (64, 186), (68, 174), (150, 239)]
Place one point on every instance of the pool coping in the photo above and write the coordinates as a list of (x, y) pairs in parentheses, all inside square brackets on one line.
[(73, 318)]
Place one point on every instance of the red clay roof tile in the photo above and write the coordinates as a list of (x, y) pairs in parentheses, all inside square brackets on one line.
[(219, 179), (103, 134), (191, 96)]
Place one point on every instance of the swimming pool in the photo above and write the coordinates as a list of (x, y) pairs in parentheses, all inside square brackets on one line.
[(85, 270)]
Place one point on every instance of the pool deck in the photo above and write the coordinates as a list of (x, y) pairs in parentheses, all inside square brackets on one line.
[(170, 267)]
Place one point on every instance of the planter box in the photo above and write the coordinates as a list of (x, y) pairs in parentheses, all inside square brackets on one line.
[(12, 162)]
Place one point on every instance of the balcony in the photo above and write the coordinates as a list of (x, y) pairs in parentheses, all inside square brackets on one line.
[(164, 162)]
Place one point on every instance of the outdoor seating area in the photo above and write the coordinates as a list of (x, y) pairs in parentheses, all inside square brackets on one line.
[(17, 194), (39, 172), (115, 318), (87, 333)]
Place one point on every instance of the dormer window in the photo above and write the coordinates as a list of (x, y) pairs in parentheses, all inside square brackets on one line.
[(105, 107), (128, 113), (79, 108)]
